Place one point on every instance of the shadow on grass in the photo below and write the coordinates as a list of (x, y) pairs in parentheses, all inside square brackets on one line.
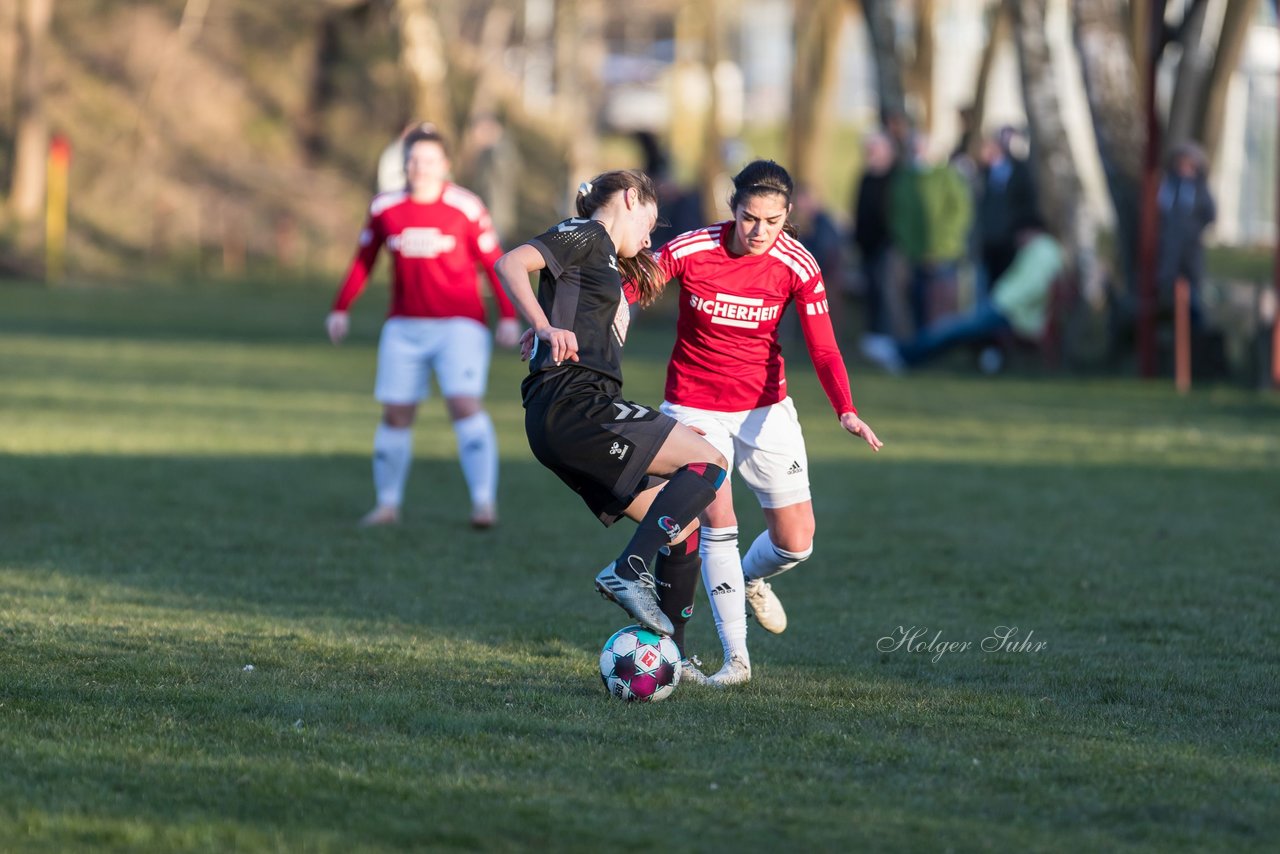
[(1084, 553), (185, 314), (278, 536), (433, 671)]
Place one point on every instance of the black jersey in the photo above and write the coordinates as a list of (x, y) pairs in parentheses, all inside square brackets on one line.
[(581, 290)]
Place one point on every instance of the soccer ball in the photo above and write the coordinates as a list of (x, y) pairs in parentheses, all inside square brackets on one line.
[(640, 666)]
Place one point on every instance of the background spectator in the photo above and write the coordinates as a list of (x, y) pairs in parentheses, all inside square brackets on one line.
[(679, 208), (872, 238), (1186, 210), (931, 210), (1006, 205), (1019, 306)]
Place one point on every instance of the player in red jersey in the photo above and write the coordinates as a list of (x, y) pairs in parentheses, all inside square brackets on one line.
[(437, 234), (726, 380)]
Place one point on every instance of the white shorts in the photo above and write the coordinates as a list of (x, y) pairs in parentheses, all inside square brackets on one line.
[(456, 349), (764, 445)]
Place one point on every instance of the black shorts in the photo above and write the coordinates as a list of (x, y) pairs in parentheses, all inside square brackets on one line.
[(599, 444)]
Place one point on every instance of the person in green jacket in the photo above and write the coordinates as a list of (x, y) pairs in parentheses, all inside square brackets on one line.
[(931, 210), (1019, 305)]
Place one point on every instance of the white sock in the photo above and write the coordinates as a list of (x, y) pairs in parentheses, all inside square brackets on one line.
[(764, 559), (392, 453), (478, 453), (722, 577)]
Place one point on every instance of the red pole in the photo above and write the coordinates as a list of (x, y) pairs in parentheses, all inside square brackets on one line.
[(1146, 333), (1182, 334)]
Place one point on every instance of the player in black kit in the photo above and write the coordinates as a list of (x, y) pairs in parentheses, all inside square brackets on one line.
[(623, 458)]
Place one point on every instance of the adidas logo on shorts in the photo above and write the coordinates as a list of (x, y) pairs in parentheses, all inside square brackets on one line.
[(723, 587), (796, 468)]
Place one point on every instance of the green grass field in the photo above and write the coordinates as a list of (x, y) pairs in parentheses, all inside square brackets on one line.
[(181, 470)]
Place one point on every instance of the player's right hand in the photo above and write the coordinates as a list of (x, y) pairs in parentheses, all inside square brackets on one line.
[(563, 343), (526, 345), (338, 323)]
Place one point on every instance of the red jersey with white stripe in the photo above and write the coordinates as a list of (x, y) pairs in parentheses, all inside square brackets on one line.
[(435, 247), (727, 357)]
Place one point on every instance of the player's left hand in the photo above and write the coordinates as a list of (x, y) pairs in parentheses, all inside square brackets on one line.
[(337, 324), (855, 425), (526, 345), (508, 332)]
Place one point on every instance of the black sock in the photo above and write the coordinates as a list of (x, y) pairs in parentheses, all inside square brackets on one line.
[(686, 494), (677, 570)]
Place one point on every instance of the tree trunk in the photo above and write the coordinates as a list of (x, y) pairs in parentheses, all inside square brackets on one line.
[(1136, 24), (310, 124), (1060, 193), (8, 64), (579, 65), (880, 30), (1236, 20), (689, 93), (495, 35), (1192, 80), (422, 56), (817, 32), (712, 165), (920, 71), (1113, 88), (31, 128), (335, 17), (995, 20)]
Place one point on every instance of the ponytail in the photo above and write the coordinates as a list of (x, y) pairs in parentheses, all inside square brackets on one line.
[(643, 270)]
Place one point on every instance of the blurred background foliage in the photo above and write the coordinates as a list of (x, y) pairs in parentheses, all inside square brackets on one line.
[(238, 138)]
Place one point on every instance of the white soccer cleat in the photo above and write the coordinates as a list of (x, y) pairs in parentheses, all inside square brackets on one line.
[(483, 516), (735, 671), (383, 514), (766, 606), (691, 672)]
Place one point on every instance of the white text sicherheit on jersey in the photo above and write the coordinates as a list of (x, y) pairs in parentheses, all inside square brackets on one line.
[(733, 310), (421, 242)]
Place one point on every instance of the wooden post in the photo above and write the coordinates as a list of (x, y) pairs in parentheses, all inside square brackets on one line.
[(233, 243), (55, 218), (286, 243), (1182, 334)]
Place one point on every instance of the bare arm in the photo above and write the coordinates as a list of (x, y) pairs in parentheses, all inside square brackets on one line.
[(513, 271), (829, 365)]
